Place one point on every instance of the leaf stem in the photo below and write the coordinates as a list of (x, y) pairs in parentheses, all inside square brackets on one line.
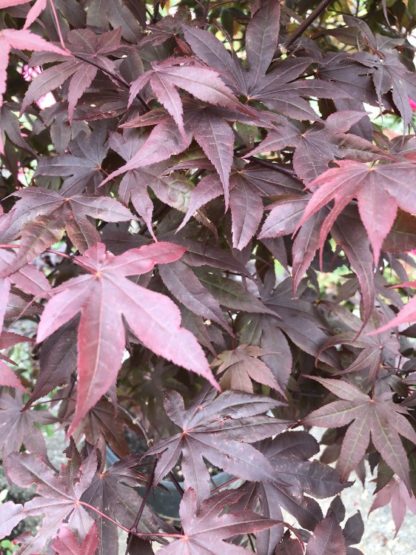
[(112, 75), (58, 25), (139, 535), (321, 7), (273, 166), (176, 483), (52, 251), (141, 508)]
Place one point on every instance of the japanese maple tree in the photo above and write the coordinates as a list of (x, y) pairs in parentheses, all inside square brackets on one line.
[(207, 238)]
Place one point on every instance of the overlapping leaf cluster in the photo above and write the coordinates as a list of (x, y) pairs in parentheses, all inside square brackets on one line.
[(203, 210)]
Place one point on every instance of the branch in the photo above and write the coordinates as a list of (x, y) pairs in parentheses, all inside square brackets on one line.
[(58, 26), (273, 166), (114, 76), (128, 530), (145, 497), (308, 21)]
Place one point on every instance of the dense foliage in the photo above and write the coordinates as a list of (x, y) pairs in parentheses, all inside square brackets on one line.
[(205, 206)]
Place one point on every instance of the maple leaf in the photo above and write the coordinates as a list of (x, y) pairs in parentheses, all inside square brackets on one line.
[(186, 287), (196, 148), (213, 429), (27, 278), (10, 516), (327, 538), (376, 417), (248, 185), (289, 546), (262, 37), (375, 352), (397, 495), (247, 188), (284, 216), (198, 80), (152, 317), (67, 543), (18, 426), (135, 183), (10, 127), (352, 238), (279, 89), (379, 190), (162, 142), (11, 3), (231, 293), (402, 233), (388, 73), (215, 136), (104, 424), (81, 166), (348, 233), (7, 377), (34, 12), (21, 40), (57, 496), (82, 44), (207, 526), (57, 361), (200, 254), (114, 493), (293, 477), (283, 92), (246, 210), (210, 127), (265, 332), (406, 315), (315, 147), (50, 210), (296, 318), (241, 365)]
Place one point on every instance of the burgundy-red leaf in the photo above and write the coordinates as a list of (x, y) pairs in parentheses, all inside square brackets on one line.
[(206, 528), (327, 539), (152, 317), (67, 543)]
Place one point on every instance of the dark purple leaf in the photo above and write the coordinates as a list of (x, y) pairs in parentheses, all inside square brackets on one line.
[(327, 539)]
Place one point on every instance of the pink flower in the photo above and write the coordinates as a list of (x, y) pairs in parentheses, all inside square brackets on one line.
[(47, 99), (412, 104)]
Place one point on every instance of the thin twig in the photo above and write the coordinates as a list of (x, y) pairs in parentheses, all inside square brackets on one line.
[(308, 21), (139, 535), (176, 483), (58, 25), (136, 421), (156, 14), (141, 508), (112, 75), (273, 166)]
